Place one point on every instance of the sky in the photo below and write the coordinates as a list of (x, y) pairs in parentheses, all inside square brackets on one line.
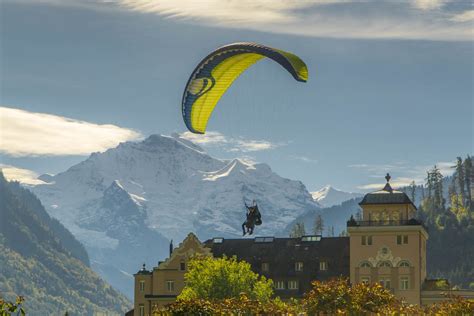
[(390, 84)]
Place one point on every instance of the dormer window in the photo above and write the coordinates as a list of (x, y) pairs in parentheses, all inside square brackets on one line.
[(265, 267), (182, 266)]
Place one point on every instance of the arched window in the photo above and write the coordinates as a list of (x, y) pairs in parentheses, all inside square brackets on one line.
[(386, 264), (404, 263), (365, 264)]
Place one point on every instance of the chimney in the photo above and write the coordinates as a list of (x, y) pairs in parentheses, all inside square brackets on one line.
[(171, 247)]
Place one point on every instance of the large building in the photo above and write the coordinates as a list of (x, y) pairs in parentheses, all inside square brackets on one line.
[(387, 245)]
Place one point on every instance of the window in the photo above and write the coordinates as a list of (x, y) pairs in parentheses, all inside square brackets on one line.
[(280, 285), (218, 240), (365, 280), (298, 266), (265, 266), (404, 283), (293, 285), (311, 238), (170, 285), (404, 263), (366, 240), (323, 265), (182, 266), (402, 239), (365, 264), (142, 285), (385, 264), (141, 310), (386, 282)]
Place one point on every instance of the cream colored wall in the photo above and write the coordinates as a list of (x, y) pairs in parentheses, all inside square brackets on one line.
[(139, 297), (386, 236), (395, 211), (168, 271)]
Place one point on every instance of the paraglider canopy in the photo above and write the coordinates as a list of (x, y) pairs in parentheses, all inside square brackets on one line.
[(215, 73)]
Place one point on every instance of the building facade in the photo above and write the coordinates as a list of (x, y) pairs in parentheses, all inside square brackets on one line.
[(163, 283), (388, 245)]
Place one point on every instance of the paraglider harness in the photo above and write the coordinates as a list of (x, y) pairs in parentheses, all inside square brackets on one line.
[(253, 218)]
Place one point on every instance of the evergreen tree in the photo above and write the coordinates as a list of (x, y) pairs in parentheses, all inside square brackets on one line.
[(318, 225), (460, 177), (413, 191), (469, 178), (298, 230)]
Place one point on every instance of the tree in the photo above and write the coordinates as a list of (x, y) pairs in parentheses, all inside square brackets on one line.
[(318, 225), (223, 278), (413, 191), (460, 176), (298, 230), (469, 178), (8, 308)]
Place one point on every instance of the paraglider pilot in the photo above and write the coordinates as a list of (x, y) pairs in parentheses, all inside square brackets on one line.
[(253, 218)]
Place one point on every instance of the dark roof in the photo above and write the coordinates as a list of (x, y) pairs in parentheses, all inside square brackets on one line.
[(143, 270), (282, 253), (130, 312), (386, 196)]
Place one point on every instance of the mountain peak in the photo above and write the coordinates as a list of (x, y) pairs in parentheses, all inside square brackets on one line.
[(329, 196)]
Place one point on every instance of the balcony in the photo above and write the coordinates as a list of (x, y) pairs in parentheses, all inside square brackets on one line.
[(410, 222)]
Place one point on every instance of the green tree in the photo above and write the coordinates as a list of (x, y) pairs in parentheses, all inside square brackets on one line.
[(460, 176), (10, 308), (298, 230), (223, 278), (469, 178), (318, 225)]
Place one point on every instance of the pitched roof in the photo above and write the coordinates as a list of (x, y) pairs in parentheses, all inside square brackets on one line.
[(386, 196), (282, 253)]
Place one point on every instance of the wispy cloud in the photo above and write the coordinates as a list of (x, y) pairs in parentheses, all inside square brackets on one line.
[(303, 159), (403, 172), (24, 133), (21, 175), (230, 144), (418, 19), (466, 16)]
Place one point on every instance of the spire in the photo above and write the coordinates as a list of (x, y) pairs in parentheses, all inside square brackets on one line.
[(171, 247), (387, 186), (143, 267)]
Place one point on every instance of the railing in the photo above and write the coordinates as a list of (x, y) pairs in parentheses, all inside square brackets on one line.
[(403, 222)]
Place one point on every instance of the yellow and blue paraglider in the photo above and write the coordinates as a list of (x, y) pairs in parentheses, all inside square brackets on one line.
[(215, 73)]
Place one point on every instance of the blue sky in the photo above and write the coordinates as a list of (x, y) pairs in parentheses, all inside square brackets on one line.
[(390, 84)]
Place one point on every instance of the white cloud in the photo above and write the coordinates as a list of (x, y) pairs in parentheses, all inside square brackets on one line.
[(25, 176), (420, 19), (230, 144), (405, 172), (304, 159), (466, 16), (24, 133), (428, 4)]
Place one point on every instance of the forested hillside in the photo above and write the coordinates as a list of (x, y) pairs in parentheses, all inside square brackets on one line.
[(451, 228), (42, 261)]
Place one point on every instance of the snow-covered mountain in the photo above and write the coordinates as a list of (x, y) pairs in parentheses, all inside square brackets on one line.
[(329, 196), (126, 203)]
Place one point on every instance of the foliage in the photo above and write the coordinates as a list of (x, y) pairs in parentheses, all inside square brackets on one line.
[(38, 260), (450, 248), (337, 296), (7, 308), (223, 278), (334, 297)]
